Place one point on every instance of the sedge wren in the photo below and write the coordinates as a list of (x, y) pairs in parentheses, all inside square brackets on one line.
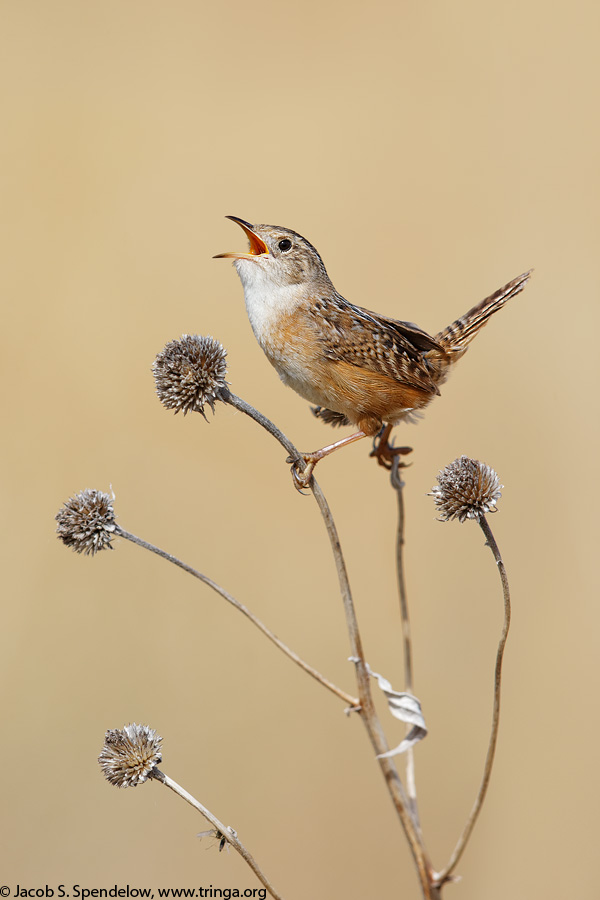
[(359, 367)]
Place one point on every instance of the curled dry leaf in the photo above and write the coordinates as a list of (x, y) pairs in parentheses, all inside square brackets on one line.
[(406, 708)]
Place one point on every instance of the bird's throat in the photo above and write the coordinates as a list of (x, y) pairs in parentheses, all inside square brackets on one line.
[(267, 302)]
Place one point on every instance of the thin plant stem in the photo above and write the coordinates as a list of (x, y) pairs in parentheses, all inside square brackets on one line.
[(366, 707), (227, 833), (347, 698), (247, 409), (368, 713), (398, 485), (444, 875)]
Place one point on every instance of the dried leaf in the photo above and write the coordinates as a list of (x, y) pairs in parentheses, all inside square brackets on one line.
[(406, 708)]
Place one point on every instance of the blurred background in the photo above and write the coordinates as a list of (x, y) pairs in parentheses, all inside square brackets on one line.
[(431, 152)]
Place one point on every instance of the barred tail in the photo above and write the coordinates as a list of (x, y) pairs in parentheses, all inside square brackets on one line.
[(456, 337)]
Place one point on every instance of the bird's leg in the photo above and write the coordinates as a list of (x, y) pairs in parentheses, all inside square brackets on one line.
[(302, 479), (384, 452)]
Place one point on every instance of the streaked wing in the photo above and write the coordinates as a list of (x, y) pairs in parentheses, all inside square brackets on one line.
[(354, 335)]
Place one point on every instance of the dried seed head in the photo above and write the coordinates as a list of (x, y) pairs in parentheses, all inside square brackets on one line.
[(189, 373), (129, 755), (86, 522), (466, 489)]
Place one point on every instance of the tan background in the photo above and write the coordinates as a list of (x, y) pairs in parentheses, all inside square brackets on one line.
[(431, 151)]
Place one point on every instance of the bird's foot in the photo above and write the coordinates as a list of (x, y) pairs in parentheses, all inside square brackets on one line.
[(385, 452), (302, 476)]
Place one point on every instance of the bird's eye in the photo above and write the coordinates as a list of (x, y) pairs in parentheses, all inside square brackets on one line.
[(285, 245)]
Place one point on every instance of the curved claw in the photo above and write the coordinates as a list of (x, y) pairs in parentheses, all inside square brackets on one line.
[(301, 478)]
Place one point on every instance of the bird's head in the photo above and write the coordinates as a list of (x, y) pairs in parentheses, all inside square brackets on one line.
[(277, 257)]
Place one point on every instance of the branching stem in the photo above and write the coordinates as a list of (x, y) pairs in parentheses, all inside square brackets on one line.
[(368, 713), (366, 707)]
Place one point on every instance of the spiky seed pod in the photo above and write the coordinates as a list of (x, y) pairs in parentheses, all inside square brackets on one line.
[(466, 489), (86, 522), (130, 754), (190, 373)]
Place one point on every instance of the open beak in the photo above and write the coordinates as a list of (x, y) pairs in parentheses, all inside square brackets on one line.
[(257, 246)]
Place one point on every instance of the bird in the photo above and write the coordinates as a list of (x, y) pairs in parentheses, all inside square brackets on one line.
[(358, 367)]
